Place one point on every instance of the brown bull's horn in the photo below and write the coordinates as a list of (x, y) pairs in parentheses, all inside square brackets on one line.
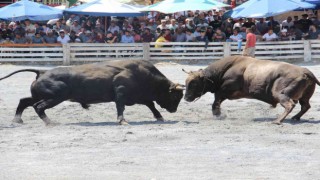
[(186, 71), (180, 87)]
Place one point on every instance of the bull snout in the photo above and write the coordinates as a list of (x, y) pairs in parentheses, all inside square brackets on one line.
[(189, 98)]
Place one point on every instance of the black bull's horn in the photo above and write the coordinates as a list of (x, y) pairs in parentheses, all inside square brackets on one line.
[(180, 87)]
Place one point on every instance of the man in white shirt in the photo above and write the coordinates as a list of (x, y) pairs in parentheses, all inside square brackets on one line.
[(63, 38), (288, 22), (29, 28), (113, 27), (236, 37), (270, 36)]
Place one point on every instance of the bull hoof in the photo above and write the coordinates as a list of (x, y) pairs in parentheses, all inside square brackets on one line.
[(123, 122), (276, 122), (17, 120), (296, 118), (216, 112), (160, 119), (52, 124)]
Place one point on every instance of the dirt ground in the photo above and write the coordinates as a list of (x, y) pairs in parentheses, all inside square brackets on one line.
[(190, 144)]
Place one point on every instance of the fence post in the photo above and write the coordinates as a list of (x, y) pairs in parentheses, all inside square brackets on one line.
[(146, 51), (307, 51), (226, 49), (66, 54)]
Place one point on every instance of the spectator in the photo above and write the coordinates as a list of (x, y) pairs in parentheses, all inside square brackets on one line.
[(50, 38), (29, 28), (227, 24), (210, 33), (160, 39), (98, 28), (250, 47), (7, 41), (236, 37), (304, 23), (228, 32), (274, 25), (37, 39), (17, 29), (136, 36), (87, 38), (99, 38), (163, 25), (209, 16), (75, 27), (110, 38), (63, 38), (113, 27), (19, 39), (190, 36), (238, 24), (126, 26), (295, 33), (167, 35), (216, 23), (219, 36), (39, 29), (269, 36), (284, 35), (172, 26), (287, 23), (147, 36), (203, 38), (262, 26), (190, 24), (179, 36), (197, 31), (248, 23), (312, 33), (58, 26), (202, 23), (88, 26), (73, 37), (127, 38)]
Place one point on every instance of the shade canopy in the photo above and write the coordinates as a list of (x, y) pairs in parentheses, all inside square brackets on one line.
[(172, 6), (25, 9), (105, 8), (267, 8)]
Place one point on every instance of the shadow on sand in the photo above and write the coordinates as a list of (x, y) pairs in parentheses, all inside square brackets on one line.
[(288, 121), (87, 124)]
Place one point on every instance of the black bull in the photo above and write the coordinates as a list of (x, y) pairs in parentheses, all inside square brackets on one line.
[(244, 77), (124, 82)]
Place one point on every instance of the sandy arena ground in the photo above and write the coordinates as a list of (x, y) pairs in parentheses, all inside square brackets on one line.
[(191, 144)]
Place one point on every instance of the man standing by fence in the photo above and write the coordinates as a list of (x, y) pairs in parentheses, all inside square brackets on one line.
[(250, 47)]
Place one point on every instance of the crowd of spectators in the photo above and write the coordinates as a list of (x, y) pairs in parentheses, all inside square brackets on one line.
[(190, 26)]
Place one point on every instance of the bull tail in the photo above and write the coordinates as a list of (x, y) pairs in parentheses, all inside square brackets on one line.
[(38, 72), (311, 76)]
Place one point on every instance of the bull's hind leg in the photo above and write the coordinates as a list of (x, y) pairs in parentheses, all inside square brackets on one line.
[(120, 104), (304, 102), (23, 104), (155, 112), (42, 105), (288, 105)]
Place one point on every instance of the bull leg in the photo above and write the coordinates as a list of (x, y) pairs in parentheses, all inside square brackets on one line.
[(304, 102), (216, 110), (120, 104), (155, 112), (288, 105), (23, 104), (42, 105)]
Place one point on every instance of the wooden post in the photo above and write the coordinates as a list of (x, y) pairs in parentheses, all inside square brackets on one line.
[(66, 54), (307, 50), (226, 49), (146, 51)]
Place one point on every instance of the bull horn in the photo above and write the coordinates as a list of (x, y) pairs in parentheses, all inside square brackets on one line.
[(180, 87), (186, 71)]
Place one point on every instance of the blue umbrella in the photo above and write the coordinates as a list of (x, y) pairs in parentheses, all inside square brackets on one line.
[(267, 8), (316, 2), (25, 9), (172, 6), (105, 8)]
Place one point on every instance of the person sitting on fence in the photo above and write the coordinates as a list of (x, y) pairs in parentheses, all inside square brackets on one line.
[(19, 39), (127, 38), (236, 37), (219, 36), (147, 36), (37, 39), (203, 38), (270, 36), (50, 38), (63, 38)]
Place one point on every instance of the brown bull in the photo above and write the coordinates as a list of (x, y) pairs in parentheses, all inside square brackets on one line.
[(238, 77)]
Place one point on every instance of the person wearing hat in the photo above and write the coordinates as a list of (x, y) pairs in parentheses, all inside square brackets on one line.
[(127, 37), (163, 25), (147, 36), (283, 34), (63, 38), (304, 23)]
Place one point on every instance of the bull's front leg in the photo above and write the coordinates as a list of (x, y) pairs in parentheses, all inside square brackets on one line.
[(120, 104), (155, 112), (216, 109)]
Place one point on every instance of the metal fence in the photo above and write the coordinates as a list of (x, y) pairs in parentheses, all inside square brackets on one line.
[(74, 53)]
